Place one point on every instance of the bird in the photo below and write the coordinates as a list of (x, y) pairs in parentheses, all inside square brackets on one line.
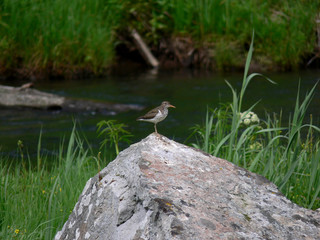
[(157, 114)]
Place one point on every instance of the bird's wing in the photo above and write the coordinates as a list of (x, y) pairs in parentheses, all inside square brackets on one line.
[(150, 114)]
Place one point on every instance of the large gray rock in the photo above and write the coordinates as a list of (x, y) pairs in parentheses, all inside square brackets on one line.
[(160, 189)]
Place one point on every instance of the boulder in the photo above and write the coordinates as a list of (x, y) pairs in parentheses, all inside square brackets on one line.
[(161, 189)]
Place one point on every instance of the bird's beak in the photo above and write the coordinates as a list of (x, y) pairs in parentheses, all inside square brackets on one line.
[(172, 106)]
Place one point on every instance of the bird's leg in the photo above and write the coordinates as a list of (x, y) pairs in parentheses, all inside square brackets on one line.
[(155, 128)]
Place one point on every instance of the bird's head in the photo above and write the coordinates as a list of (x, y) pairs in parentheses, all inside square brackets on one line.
[(167, 104)]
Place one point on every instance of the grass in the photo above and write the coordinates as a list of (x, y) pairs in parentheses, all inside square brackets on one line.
[(36, 200), (66, 37), (288, 156), (284, 30), (57, 34)]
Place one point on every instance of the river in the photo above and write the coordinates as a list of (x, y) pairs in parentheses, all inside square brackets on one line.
[(191, 91)]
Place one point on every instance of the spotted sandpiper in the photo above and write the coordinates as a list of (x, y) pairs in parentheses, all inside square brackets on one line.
[(157, 114)]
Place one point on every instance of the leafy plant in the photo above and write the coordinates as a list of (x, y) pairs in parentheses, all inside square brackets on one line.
[(113, 133)]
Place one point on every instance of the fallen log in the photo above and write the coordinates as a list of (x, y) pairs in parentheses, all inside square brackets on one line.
[(144, 50), (31, 98)]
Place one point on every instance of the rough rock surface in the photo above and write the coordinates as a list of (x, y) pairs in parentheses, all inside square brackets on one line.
[(160, 189), (32, 98)]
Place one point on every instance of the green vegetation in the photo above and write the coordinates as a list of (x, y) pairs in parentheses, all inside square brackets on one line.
[(288, 156), (63, 38), (284, 29), (113, 133), (57, 35), (35, 201)]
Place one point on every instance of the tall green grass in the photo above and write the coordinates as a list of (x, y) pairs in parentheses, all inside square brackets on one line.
[(36, 199), (284, 29), (58, 34), (63, 37), (287, 155)]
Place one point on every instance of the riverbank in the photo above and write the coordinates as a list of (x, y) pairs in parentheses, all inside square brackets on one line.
[(80, 39)]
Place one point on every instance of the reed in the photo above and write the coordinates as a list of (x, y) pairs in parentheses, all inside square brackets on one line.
[(288, 156)]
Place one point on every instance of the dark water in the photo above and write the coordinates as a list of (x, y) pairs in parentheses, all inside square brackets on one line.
[(191, 92)]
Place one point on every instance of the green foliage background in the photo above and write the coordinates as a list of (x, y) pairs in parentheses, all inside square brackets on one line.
[(82, 34)]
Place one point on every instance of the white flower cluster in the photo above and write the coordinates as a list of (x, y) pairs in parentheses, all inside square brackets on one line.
[(248, 118), (255, 146)]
